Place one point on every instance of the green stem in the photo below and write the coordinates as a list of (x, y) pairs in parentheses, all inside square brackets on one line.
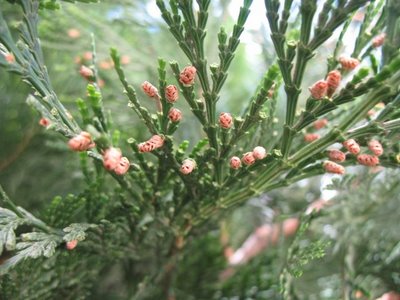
[(304, 54), (6, 200)]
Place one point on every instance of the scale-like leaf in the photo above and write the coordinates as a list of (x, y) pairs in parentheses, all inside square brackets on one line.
[(9, 221), (33, 245), (76, 231)]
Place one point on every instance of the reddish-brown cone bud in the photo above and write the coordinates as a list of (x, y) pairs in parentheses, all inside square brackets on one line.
[(332, 167), (259, 152), (333, 79), (81, 142), (188, 165), (311, 137), (349, 63), (86, 73), (71, 244), (175, 115), (352, 146), (321, 123), (44, 122), (149, 89), (375, 147), (111, 158), (225, 120), (157, 141), (9, 58), (171, 93), (235, 162), (187, 76), (154, 142), (145, 147), (319, 89), (337, 155), (122, 167), (368, 160), (248, 158)]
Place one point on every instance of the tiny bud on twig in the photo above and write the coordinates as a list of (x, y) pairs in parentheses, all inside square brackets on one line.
[(149, 89), (9, 58), (319, 89), (86, 73), (368, 160), (235, 162), (311, 137), (154, 142), (122, 167), (145, 147), (375, 147), (349, 63), (352, 146), (225, 120), (175, 115), (171, 93), (111, 158), (332, 167), (81, 142), (259, 152), (71, 244), (333, 79), (188, 165), (337, 155), (248, 158), (44, 122), (321, 123), (188, 75)]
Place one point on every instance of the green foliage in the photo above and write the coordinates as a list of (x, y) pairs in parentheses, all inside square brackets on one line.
[(205, 265), (76, 231), (62, 211), (32, 245), (54, 4), (9, 221), (256, 280), (304, 255)]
